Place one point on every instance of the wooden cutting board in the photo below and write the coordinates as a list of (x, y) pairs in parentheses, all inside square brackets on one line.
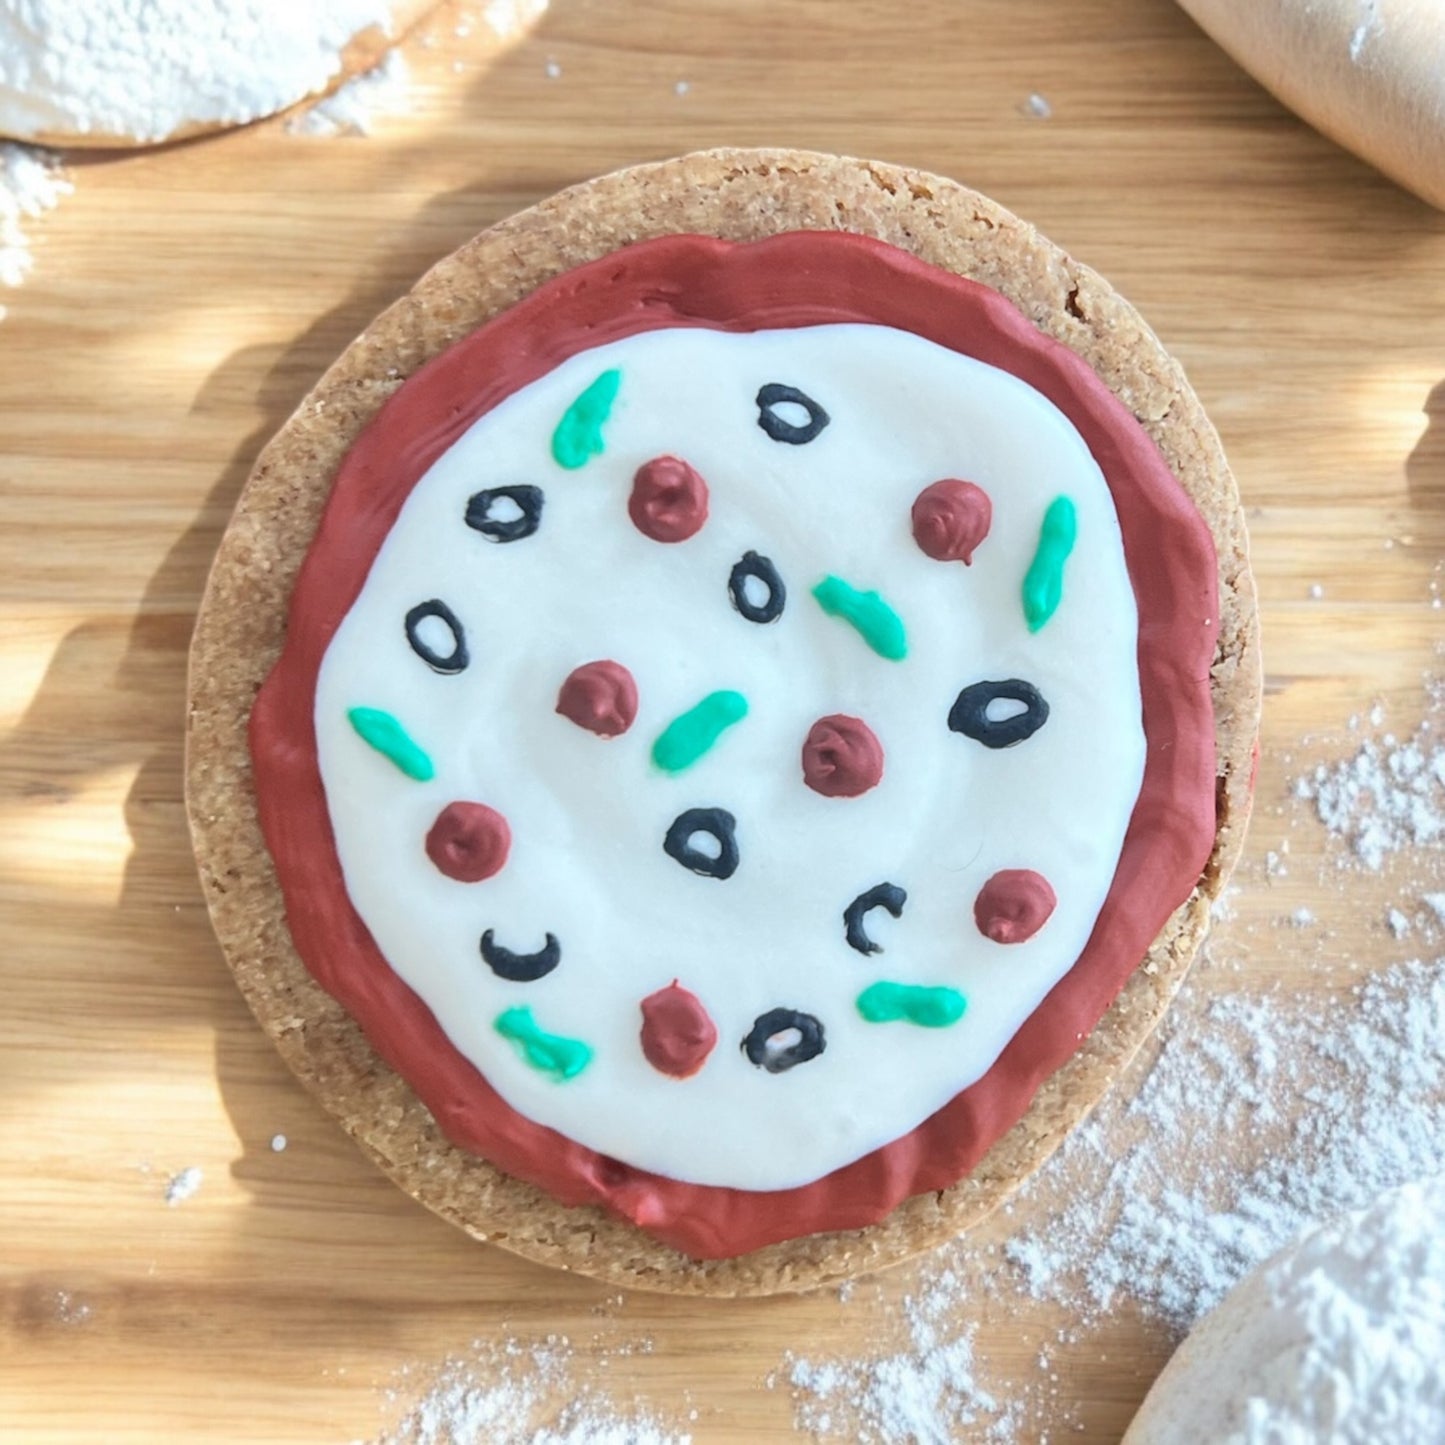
[(182, 301)]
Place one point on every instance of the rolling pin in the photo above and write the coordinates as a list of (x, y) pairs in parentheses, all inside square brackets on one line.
[(1370, 74)]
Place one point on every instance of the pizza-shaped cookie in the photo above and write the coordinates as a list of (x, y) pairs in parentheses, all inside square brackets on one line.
[(745, 713)]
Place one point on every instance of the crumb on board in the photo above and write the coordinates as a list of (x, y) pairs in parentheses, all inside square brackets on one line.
[(183, 1185)]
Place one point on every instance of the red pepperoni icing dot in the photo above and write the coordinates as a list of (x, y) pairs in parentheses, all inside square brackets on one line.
[(469, 841), (668, 501), (677, 1034), (841, 757), (1013, 905), (950, 519), (601, 697)]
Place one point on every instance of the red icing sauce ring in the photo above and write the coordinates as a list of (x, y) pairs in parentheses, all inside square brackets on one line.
[(842, 757), (692, 281), (469, 842), (668, 501), (1013, 905), (677, 1034), (601, 697), (950, 519)]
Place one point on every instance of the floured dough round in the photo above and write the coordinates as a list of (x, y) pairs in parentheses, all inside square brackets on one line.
[(140, 72), (1338, 1338), (739, 196)]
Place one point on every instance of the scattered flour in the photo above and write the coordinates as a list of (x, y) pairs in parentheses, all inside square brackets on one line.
[(1260, 1117), (1388, 796), (69, 1310), (182, 1186), (1223, 909), (31, 183), (1368, 25), (510, 1393), (925, 1393), (354, 108), (146, 68)]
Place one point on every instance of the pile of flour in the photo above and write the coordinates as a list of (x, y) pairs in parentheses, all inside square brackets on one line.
[(144, 69)]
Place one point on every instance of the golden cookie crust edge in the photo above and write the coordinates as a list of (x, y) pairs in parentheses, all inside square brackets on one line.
[(739, 195)]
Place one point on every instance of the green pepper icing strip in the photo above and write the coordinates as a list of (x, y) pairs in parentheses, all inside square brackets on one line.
[(1044, 581), (391, 740), (547, 1053), (689, 735), (873, 619), (931, 1008), (578, 437)]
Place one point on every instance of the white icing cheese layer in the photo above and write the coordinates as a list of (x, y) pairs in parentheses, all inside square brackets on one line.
[(588, 814)]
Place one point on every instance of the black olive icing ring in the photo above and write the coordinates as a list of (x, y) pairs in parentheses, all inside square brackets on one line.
[(808, 1045), (529, 501), (715, 821), (762, 568), (969, 713), (776, 394), (452, 662)]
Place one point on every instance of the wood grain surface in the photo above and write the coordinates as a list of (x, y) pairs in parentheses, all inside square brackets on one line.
[(184, 299)]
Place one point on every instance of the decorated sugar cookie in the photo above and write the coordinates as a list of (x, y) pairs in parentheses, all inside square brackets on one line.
[(744, 714)]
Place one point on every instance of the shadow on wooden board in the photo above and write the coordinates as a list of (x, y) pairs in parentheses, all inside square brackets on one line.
[(113, 698), (1425, 470)]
